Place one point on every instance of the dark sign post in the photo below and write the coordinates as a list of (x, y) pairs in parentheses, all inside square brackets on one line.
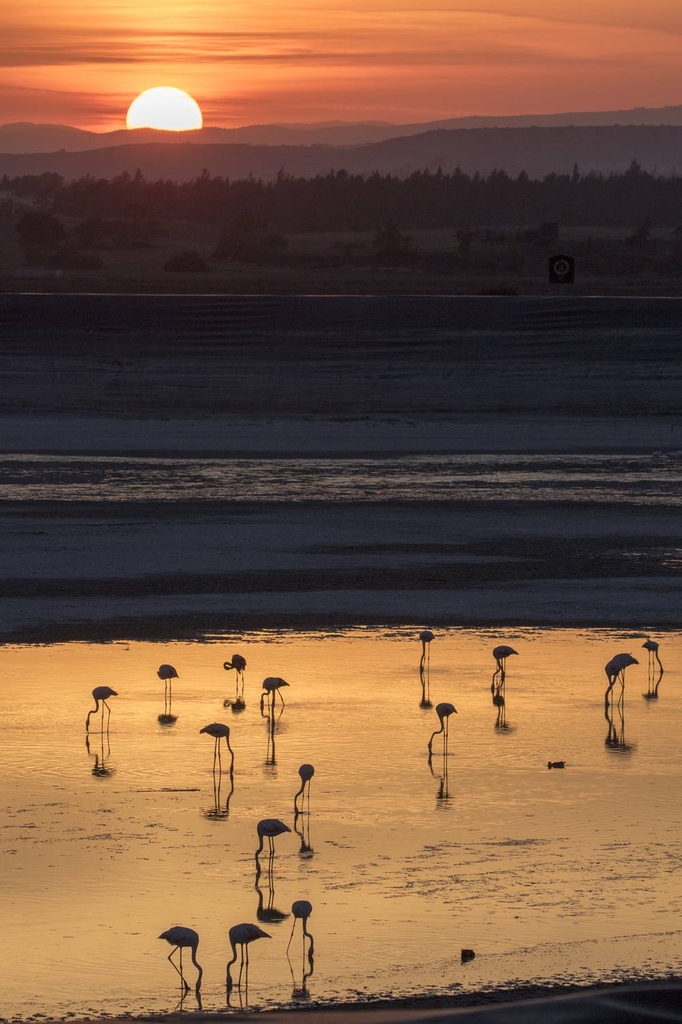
[(561, 269)]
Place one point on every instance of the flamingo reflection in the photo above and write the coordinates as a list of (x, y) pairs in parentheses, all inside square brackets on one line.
[(654, 670), (270, 753), (444, 780), (266, 910), (101, 695), (615, 718), (238, 663), (100, 768), (426, 636), (183, 938), (242, 935), (443, 710)]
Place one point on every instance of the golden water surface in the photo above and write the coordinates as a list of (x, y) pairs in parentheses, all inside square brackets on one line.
[(549, 876)]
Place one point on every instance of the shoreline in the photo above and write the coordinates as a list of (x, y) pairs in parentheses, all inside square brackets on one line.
[(635, 1001)]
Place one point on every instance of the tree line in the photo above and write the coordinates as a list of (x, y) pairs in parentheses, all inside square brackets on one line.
[(340, 201)]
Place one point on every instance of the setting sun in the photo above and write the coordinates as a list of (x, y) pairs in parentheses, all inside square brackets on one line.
[(166, 109)]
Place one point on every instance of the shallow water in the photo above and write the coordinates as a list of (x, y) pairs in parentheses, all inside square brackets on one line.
[(643, 480), (560, 876)]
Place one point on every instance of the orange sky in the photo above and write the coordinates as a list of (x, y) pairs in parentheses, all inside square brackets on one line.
[(81, 62)]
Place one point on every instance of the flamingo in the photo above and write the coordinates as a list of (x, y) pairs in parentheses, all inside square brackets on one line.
[(652, 647), (238, 663), (306, 771), (426, 636), (301, 909), (182, 938), (242, 935), (100, 693), (443, 710), (270, 827), (616, 669), (219, 731), (167, 673), (271, 686), (500, 654)]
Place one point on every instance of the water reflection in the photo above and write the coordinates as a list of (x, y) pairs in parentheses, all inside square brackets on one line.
[(499, 698), (238, 664), (615, 734), (302, 909), (242, 935), (266, 910), (167, 718), (101, 695), (183, 938), (101, 768), (444, 779), (426, 636)]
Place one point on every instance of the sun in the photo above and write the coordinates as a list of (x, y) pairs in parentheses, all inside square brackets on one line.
[(166, 109)]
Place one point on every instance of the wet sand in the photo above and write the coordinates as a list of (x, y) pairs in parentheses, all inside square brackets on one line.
[(302, 377), (637, 1004)]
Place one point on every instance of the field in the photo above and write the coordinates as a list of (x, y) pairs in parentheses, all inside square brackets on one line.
[(342, 263)]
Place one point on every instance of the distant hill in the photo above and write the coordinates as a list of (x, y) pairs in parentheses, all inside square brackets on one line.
[(25, 137), (538, 151)]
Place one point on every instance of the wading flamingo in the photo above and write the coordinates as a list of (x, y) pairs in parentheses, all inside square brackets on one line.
[(500, 654), (306, 771), (101, 694), (443, 710), (183, 938), (271, 686), (301, 909), (241, 935), (219, 732), (270, 828), (615, 669), (652, 647), (238, 663)]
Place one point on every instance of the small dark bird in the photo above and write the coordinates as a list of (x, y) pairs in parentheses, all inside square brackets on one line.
[(556, 764)]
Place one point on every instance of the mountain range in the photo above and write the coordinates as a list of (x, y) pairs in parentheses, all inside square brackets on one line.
[(505, 144), (26, 137)]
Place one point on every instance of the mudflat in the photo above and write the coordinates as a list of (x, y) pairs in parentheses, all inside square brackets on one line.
[(171, 463)]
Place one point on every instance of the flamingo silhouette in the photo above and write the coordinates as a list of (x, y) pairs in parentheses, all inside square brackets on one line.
[(426, 636), (652, 647), (219, 731), (238, 663), (183, 938), (270, 828), (271, 686), (167, 673), (615, 669), (306, 771), (301, 909), (443, 710), (101, 694), (500, 654), (241, 935)]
